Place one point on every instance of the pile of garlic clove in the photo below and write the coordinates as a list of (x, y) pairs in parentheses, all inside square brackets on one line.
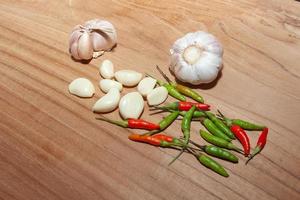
[(131, 105)]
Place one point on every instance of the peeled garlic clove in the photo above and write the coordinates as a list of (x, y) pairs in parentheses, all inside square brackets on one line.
[(108, 102), (128, 77), (146, 85), (85, 49), (82, 87), (131, 105), (157, 96), (196, 58), (107, 69), (107, 84)]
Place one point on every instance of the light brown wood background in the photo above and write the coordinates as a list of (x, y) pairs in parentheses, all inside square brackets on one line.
[(52, 148)]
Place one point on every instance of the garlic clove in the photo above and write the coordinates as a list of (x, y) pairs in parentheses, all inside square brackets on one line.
[(100, 42), (208, 74), (104, 34), (75, 35), (82, 87), (209, 42), (146, 85), (128, 77), (85, 49), (108, 102), (131, 105), (107, 69), (74, 51), (106, 84), (157, 96)]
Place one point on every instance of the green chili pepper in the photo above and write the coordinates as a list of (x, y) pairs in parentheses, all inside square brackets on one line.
[(220, 153), (218, 141), (171, 89), (181, 88), (196, 113), (185, 127), (220, 125), (188, 92), (212, 164), (211, 127), (163, 124), (242, 123), (186, 124)]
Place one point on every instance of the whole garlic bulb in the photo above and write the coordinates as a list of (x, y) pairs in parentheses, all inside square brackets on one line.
[(92, 39), (196, 58)]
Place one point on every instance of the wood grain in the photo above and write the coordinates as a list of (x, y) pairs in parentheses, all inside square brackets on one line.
[(52, 148)]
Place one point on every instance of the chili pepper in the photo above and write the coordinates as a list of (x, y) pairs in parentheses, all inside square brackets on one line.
[(145, 139), (182, 89), (184, 106), (171, 90), (168, 138), (132, 123), (242, 123), (217, 152), (220, 124), (220, 153), (149, 140), (212, 164), (163, 124), (197, 113), (218, 141), (261, 142), (242, 136), (186, 124), (185, 127), (211, 127)]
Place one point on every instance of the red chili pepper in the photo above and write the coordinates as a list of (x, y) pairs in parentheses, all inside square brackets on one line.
[(142, 124), (169, 139), (242, 136), (132, 123), (186, 106), (163, 137), (261, 142), (156, 140), (145, 139)]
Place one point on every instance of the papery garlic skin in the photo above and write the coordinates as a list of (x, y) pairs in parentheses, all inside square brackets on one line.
[(196, 58)]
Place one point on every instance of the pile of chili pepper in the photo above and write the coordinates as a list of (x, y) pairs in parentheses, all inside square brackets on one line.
[(221, 131)]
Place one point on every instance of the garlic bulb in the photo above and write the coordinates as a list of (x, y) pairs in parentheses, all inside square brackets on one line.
[(196, 58), (92, 39)]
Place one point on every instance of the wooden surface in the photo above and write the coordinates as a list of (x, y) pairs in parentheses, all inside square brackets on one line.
[(52, 148)]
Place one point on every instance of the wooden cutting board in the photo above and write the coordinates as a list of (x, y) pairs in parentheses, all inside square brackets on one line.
[(51, 147)]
